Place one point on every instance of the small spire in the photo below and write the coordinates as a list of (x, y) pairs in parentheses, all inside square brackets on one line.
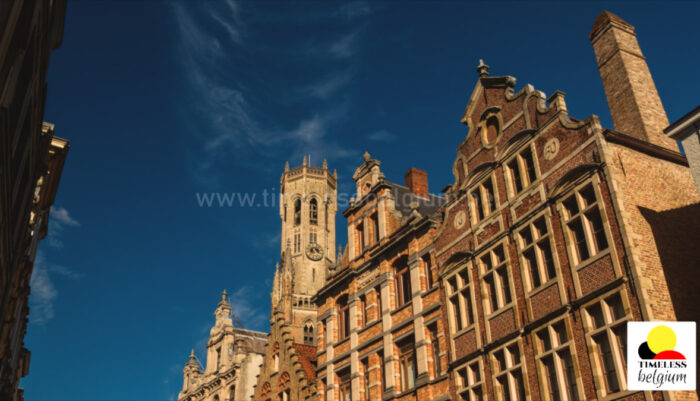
[(482, 69), (192, 357), (286, 167), (325, 164), (224, 295), (335, 173), (366, 156), (303, 163)]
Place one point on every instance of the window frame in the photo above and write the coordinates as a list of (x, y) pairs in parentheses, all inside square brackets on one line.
[(407, 359), (554, 349), (402, 275), (522, 174), (427, 264), (343, 321), (455, 288), (507, 371), (313, 211), (610, 325), (537, 240), (480, 210), (504, 299), (466, 384), (582, 215)]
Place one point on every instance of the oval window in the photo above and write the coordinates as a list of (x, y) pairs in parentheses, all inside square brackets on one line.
[(491, 130)]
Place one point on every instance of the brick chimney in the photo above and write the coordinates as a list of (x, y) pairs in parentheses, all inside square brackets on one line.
[(417, 182), (634, 103)]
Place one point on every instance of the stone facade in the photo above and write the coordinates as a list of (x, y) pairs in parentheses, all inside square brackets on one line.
[(308, 207), (32, 162), (380, 326), (233, 361)]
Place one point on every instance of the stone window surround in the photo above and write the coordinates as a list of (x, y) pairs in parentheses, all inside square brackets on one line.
[(465, 390), (541, 353), (492, 271), (510, 367), (590, 331), (473, 208), (511, 191), (465, 266), (572, 252), (525, 274)]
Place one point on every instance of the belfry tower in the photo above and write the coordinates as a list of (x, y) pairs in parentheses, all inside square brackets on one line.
[(307, 208)]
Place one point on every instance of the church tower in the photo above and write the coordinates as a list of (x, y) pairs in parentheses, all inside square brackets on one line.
[(308, 204)]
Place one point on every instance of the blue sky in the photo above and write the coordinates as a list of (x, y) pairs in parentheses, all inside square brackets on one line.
[(164, 100)]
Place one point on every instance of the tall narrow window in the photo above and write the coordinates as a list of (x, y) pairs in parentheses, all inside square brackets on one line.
[(537, 253), (297, 243), (297, 212), (584, 222), (343, 318), (382, 370), (365, 378), (428, 267), (313, 211), (375, 228), (218, 358), (344, 385), (402, 281), (360, 238), (435, 350), (495, 275), (508, 373), (378, 294), (483, 199), (522, 170), (554, 354), (606, 329), (362, 306), (458, 291), (407, 364)]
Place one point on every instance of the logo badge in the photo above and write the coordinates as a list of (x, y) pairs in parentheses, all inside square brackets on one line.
[(661, 356)]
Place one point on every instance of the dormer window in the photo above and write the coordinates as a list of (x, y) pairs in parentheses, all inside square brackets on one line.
[(313, 211), (297, 212)]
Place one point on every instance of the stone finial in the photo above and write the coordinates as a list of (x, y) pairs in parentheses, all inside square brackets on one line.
[(192, 356), (335, 173), (224, 296), (286, 167), (482, 69), (303, 163), (325, 164), (366, 156)]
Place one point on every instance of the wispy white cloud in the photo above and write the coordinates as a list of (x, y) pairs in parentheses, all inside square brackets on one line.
[(238, 127), (382, 136), (355, 9), (324, 88), (43, 290), (59, 219)]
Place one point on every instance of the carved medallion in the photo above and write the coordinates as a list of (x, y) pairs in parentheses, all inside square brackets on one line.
[(460, 219), (551, 148)]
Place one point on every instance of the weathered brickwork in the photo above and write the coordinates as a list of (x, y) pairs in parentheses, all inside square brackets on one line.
[(547, 175)]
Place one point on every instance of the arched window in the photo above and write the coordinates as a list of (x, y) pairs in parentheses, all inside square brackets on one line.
[(313, 211), (297, 212), (308, 333)]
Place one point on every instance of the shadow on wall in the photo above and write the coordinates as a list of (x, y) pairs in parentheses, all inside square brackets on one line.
[(677, 236)]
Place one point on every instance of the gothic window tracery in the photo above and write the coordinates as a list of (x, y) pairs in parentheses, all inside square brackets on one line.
[(297, 212), (313, 211)]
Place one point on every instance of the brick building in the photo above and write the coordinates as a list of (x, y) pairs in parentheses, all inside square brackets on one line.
[(380, 331), (32, 162), (556, 233), (519, 282)]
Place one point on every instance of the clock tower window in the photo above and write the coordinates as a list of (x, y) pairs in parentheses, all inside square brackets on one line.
[(313, 211), (297, 212)]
